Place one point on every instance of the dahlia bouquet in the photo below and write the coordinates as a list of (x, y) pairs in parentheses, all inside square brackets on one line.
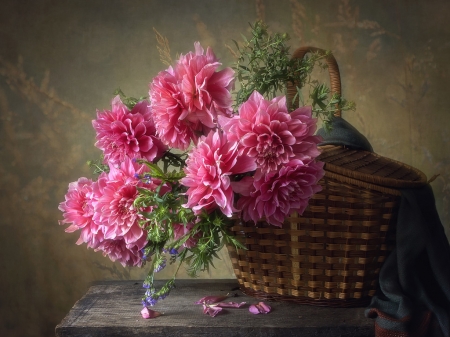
[(178, 166)]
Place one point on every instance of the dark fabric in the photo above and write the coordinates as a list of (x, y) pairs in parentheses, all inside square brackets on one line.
[(414, 281), (345, 134)]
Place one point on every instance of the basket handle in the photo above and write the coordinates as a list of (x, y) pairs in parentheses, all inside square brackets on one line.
[(333, 70)]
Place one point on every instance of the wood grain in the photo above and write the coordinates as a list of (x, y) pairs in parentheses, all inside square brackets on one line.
[(113, 309)]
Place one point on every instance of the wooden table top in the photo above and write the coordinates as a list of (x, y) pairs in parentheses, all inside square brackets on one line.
[(113, 309)]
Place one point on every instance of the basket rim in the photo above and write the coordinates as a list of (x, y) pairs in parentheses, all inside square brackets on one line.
[(361, 183), (375, 180)]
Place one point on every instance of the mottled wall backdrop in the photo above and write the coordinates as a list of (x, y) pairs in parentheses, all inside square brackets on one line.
[(60, 60)]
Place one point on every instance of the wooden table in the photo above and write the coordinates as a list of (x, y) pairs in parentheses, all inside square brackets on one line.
[(113, 309)]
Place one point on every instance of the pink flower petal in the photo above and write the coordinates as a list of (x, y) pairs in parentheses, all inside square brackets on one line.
[(277, 194), (211, 310), (254, 309), (122, 133), (148, 313), (230, 304), (264, 307), (188, 99), (211, 299), (243, 186), (244, 164), (259, 308), (208, 168), (269, 134)]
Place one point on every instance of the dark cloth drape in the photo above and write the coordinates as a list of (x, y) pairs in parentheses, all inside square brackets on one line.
[(414, 281)]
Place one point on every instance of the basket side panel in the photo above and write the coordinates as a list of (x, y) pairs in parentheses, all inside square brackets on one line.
[(330, 255)]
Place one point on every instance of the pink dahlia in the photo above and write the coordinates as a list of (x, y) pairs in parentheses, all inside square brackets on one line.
[(77, 208), (92, 234), (104, 213), (118, 189), (206, 91), (169, 112), (122, 133), (79, 211), (115, 209), (188, 99), (130, 172), (116, 212), (271, 135), (118, 250), (277, 194), (208, 169)]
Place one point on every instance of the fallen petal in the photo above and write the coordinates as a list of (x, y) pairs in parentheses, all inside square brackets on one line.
[(254, 309), (210, 299), (264, 308), (260, 308), (230, 304), (211, 310), (149, 313)]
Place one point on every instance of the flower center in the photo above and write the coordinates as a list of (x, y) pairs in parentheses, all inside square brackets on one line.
[(269, 146)]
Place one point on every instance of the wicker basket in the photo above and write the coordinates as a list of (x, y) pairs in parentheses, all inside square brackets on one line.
[(332, 254)]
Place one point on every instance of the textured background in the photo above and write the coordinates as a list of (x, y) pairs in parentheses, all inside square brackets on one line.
[(60, 60)]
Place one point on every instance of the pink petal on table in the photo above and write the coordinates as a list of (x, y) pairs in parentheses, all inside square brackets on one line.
[(230, 304), (253, 309), (149, 313), (260, 308), (264, 307), (210, 299), (211, 310)]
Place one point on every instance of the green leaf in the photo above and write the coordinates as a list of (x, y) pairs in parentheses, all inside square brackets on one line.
[(236, 44)]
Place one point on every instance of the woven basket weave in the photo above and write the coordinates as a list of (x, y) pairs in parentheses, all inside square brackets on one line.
[(330, 255)]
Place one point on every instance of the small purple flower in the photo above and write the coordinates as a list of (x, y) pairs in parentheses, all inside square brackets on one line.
[(149, 302), (160, 266), (147, 178), (173, 251), (149, 299)]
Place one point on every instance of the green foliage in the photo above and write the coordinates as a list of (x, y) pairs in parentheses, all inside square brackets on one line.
[(130, 102), (97, 166), (160, 212), (264, 64), (214, 236)]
